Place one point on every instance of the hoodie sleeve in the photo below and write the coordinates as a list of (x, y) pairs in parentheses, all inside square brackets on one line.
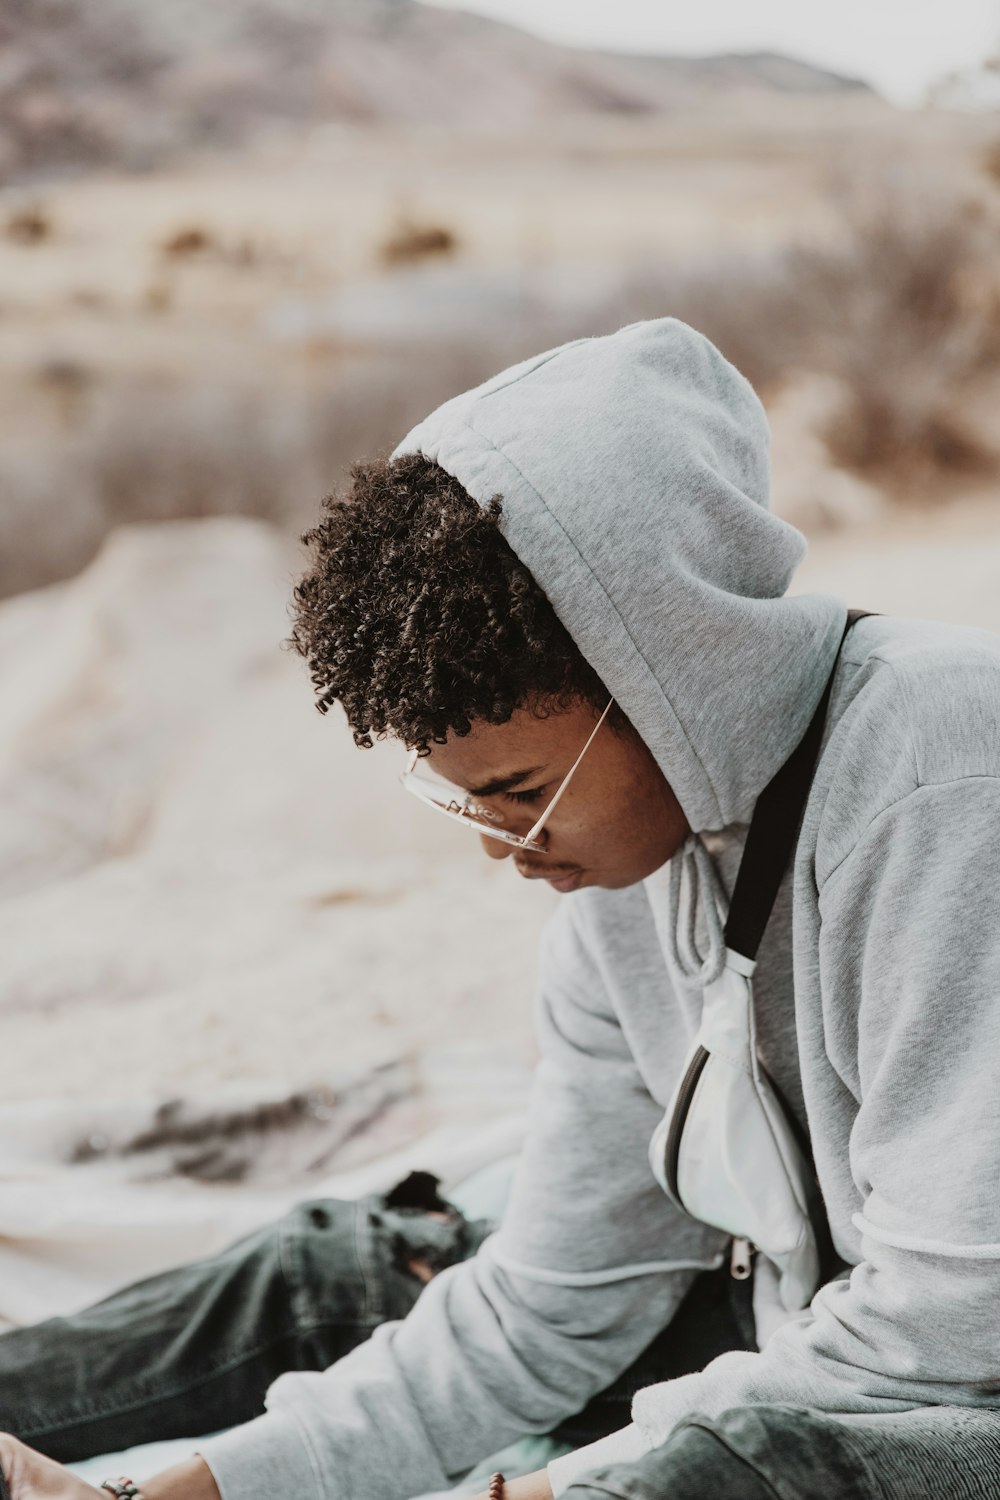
[(910, 947), (591, 1259)]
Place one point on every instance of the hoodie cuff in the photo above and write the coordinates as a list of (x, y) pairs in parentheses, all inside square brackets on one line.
[(621, 1447), (268, 1456)]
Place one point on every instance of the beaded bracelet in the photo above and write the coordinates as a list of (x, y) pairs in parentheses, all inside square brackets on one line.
[(495, 1490), (122, 1488)]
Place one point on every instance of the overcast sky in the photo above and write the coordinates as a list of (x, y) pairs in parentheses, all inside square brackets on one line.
[(898, 45)]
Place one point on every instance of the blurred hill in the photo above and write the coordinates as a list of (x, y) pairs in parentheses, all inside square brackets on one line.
[(132, 83), (244, 244)]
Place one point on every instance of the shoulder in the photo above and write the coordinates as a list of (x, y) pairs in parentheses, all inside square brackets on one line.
[(942, 683), (916, 704)]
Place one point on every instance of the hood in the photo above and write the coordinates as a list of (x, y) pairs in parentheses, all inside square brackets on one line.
[(634, 476)]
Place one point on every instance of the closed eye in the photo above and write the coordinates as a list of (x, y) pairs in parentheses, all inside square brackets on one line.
[(531, 796)]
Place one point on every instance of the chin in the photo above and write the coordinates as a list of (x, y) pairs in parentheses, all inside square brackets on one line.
[(617, 882)]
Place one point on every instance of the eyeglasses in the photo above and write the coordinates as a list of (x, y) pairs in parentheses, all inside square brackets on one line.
[(462, 807)]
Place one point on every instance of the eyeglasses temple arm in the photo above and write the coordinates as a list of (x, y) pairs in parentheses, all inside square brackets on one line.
[(568, 777)]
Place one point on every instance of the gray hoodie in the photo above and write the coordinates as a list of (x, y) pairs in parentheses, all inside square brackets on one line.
[(634, 476)]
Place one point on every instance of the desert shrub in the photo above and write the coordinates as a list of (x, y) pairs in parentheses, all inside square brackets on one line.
[(902, 308), (991, 161), (149, 451), (191, 240), (904, 315), (411, 242), (30, 225), (901, 312)]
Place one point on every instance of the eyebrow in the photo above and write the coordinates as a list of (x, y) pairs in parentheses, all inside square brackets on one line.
[(504, 783)]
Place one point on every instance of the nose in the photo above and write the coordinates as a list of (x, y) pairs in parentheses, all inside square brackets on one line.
[(495, 848)]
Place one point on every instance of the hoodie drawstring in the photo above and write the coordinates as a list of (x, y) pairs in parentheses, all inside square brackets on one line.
[(695, 885)]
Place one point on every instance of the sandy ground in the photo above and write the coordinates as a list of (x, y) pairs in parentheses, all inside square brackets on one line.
[(204, 881)]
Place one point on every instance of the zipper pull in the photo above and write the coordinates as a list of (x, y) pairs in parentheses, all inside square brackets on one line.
[(741, 1256)]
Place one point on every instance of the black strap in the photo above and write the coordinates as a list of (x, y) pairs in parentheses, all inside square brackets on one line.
[(774, 827)]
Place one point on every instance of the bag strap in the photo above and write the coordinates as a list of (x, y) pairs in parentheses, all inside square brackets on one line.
[(774, 828)]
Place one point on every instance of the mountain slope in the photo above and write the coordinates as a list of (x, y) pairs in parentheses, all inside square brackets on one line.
[(134, 82)]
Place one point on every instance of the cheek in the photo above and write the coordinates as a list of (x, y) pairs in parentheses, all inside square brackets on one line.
[(638, 828), (616, 825)]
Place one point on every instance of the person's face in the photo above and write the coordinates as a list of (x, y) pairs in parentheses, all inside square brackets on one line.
[(616, 822)]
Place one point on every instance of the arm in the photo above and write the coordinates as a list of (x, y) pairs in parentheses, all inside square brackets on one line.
[(910, 942), (31, 1476), (527, 1332)]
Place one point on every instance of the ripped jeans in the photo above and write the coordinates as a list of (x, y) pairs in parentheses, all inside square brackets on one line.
[(193, 1350)]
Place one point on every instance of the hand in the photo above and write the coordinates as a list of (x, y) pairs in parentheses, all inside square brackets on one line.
[(32, 1476), (529, 1487)]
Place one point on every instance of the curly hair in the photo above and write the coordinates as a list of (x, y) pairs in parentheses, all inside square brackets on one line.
[(417, 616)]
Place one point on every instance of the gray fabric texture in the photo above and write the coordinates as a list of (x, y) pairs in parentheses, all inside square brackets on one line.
[(633, 471), (791, 1453)]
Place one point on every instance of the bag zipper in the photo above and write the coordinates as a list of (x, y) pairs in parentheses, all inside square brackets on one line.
[(741, 1250), (685, 1093), (741, 1254)]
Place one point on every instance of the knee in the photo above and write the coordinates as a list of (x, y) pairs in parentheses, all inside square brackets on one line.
[(695, 1461), (747, 1453), (766, 1426), (795, 1450)]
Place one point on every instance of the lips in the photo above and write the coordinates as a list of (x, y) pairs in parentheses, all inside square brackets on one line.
[(564, 882)]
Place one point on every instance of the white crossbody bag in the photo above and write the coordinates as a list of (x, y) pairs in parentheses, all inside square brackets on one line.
[(728, 1151)]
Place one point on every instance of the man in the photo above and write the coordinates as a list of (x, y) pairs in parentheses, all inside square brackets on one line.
[(566, 594)]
